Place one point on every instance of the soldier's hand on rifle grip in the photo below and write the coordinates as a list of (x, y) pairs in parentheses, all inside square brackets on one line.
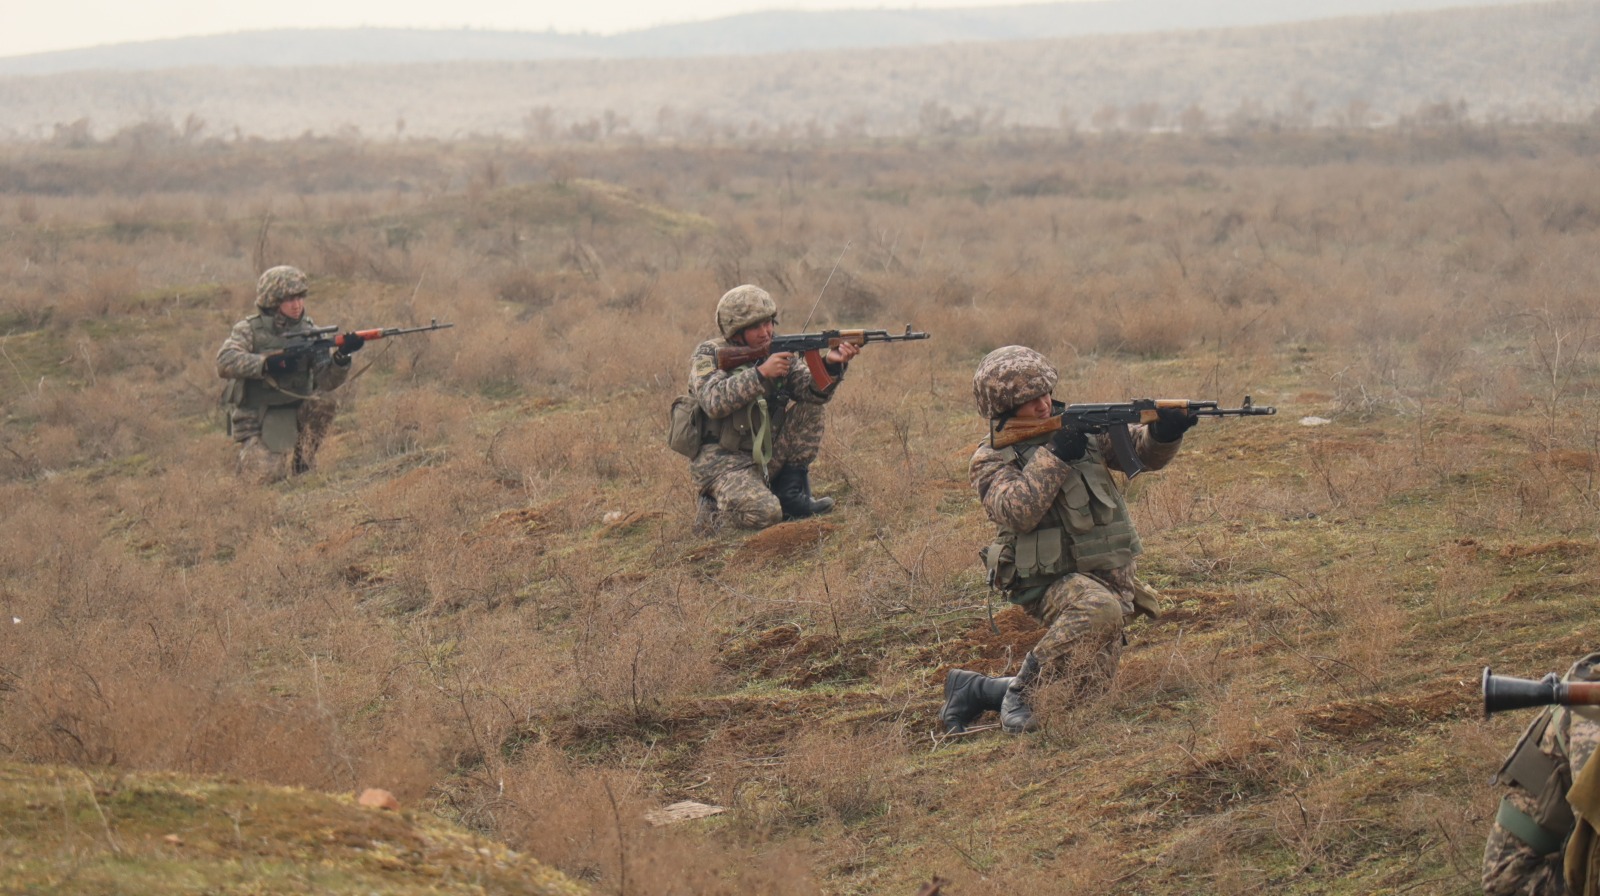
[(280, 364), (1069, 444), (776, 367), (350, 343), (1172, 423)]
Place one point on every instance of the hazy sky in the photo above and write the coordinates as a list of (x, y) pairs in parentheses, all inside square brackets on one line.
[(36, 26)]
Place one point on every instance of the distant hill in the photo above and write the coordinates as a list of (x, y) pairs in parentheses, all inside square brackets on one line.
[(765, 32), (1537, 61)]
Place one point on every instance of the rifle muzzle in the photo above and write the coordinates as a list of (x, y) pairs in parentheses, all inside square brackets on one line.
[(1501, 692)]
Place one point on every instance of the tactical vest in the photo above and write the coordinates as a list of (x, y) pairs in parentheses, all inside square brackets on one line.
[(1087, 528), (289, 389), (738, 430)]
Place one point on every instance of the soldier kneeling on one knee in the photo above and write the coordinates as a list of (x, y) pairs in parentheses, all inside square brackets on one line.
[(759, 426), (1065, 546)]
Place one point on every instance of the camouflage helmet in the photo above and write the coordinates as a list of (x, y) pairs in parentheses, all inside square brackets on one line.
[(1009, 377), (278, 285), (744, 306)]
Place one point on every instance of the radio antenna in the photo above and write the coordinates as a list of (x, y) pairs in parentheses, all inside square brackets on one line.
[(807, 325)]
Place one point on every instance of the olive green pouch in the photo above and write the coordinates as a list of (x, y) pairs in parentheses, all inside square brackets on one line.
[(280, 428)]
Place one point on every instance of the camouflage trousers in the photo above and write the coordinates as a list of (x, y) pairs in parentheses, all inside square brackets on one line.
[(733, 491), (1084, 617), (258, 463)]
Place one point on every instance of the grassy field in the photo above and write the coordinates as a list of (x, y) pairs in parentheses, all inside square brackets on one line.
[(488, 600)]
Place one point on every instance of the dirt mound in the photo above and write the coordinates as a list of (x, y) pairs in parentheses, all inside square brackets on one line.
[(996, 650), (1366, 717), (784, 540), (788, 655)]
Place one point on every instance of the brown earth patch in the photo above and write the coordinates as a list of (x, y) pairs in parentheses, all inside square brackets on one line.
[(993, 651), (787, 655), (1578, 461), (1560, 547), (733, 725), (784, 539), (1361, 719)]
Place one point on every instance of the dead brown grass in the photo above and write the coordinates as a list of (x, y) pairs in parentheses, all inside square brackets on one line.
[(488, 597)]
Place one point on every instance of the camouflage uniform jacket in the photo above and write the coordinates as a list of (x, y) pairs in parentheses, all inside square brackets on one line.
[(1567, 738), (238, 359), (723, 393), (1017, 497)]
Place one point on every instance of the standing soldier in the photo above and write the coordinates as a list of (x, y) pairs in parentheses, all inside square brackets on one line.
[(759, 419), (1066, 544), (1543, 840), (275, 412)]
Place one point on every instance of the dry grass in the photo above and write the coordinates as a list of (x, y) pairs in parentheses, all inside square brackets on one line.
[(488, 597)]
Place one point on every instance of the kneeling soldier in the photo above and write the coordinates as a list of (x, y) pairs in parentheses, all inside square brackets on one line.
[(1066, 544), (760, 420)]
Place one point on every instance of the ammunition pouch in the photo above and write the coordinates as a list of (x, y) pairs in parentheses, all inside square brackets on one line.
[(1101, 533), (1025, 566), (1088, 528), (232, 394), (1546, 780), (280, 428), (686, 426), (737, 431)]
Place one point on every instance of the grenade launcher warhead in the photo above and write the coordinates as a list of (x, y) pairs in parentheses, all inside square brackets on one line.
[(1501, 692)]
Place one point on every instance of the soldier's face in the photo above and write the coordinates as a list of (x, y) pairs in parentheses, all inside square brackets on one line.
[(757, 335), (1037, 409), (292, 308)]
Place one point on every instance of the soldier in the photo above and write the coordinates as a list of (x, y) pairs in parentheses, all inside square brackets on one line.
[(275, 412), (759, 419), (1537, 845), (1066, 546)]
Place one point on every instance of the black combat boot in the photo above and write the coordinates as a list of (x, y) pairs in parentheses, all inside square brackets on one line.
[(968, 695), (792, 485), (1015, 714)]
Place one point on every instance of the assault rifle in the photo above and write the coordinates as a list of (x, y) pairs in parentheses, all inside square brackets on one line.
[(307, 343), (1501, 692), (1113, 419), (811, 345)]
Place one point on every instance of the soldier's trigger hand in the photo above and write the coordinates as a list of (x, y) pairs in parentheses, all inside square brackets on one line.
[(1069, 444), (776, 367), (1172, 423), (280, 364)]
